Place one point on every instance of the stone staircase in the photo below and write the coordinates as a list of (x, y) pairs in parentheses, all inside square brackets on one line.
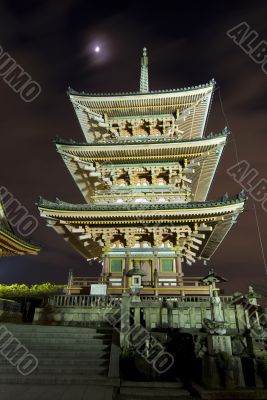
[(152, 391), (66, 355)]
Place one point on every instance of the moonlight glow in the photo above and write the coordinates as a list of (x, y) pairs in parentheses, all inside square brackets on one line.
[(97, 49)]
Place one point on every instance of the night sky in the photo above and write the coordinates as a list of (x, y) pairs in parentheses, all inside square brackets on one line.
[(187, 45)]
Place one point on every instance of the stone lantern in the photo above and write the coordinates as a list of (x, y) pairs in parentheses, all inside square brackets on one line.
[(211, 279), (136, 280)]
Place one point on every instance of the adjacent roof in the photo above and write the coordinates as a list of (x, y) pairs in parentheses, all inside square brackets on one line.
[(10, 243)]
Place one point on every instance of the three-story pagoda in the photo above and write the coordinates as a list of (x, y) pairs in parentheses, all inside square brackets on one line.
[(144, 170)]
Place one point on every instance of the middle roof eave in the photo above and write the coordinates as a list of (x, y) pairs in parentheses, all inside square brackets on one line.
[(61, 208), (195, 145)]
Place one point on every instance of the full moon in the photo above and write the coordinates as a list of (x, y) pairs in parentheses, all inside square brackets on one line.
[(97, 49)]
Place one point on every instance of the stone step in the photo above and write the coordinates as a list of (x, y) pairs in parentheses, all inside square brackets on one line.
[(71, 353), (49, 379), (148, 392), (152, 384), (64, 346), (130, 390), (56, 361), (60, 341), (178, 396), (63, 335), (56, 328), (66, 355), (65, 370)]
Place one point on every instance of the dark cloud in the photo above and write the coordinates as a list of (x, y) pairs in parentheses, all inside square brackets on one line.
[(187, 45)]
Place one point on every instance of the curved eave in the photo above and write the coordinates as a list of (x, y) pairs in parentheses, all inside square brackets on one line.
[(165, 93), (214, 218), (123, 151), (114, 212), (204, 155), (3, 218), (12, 245), (160, 103)]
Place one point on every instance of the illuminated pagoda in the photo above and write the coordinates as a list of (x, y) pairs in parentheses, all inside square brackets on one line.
[(144, 170), (10, 243)]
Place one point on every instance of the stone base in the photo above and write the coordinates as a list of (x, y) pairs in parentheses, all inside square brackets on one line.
[(10, 316), (233, 394), (215, 378), (217, 343), (73, 316)]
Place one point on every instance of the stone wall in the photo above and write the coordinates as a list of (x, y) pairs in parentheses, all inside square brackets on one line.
[(187, 315), (72, 315), (151, 314), (10, 311)]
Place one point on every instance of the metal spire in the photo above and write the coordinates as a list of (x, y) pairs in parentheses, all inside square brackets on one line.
[(144, 73)]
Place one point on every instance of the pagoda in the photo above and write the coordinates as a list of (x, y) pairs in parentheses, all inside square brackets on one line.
[(144, 170), (10, 243)]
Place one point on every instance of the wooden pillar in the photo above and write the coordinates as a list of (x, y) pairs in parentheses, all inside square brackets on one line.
[(156, 280), (156, 275), (70, 280), (179, 271), (124, 280), (126, 269), (105, 271)]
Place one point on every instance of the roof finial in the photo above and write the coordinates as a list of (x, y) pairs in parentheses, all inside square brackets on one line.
[(144, 73)]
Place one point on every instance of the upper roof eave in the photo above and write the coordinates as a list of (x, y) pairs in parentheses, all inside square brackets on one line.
[(210, 84)]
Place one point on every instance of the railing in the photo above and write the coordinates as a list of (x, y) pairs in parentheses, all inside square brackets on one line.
[(175, 298), (115, 301), (84, 281), (84, 301), (164, 279), (183, 299)]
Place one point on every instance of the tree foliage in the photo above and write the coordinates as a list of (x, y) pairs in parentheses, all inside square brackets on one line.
[(37, 290)]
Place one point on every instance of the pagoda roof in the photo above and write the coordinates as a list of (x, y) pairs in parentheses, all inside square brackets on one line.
[(73, 92), (185, 208), (201, 152), (95, 111), (75, 221), (139, 140), (10, 243), (157, 147)]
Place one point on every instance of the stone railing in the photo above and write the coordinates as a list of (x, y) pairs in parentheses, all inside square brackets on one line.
[(114, 301), (183, 299), (84, 301), (10, 306)]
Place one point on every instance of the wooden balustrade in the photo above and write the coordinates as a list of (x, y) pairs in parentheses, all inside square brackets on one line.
[(161, 282), (84, 301), (84, 281)]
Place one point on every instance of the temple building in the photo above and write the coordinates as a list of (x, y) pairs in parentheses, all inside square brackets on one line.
[(144, 169), (10, 243)]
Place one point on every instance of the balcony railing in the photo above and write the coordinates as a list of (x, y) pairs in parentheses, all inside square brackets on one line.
[(162, 280)]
